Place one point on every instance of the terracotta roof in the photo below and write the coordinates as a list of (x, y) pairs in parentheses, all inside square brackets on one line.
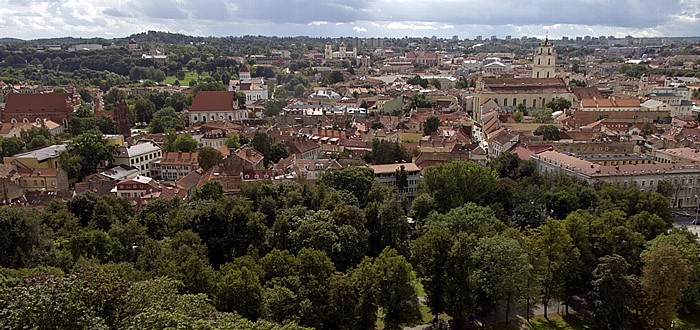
[(50, 102), (244, 68), (37, 172), (180, 158), (300, 146), (190, 180), (213, 101), (249, 154), (525, 85), (391, 168)]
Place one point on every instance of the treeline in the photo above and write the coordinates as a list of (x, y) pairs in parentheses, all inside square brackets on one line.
[(342, 253)]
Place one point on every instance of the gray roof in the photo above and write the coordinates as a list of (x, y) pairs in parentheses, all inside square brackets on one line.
[(43, 153)]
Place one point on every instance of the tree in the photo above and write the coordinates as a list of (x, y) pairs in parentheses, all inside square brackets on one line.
[(232, 141), (24, 238), (559, 104), (144, 110), (552, 252), (548, 132), (396, 292), (239, 290), (299, 90), (183, 142), (543, 116), (417, 80), (11, 146), (431, 125), (430, 254), (277, 151), (501, 273), (354, 179), (208, 157), (664, 277), (612, 292), (419, 100), (274, 107), (165, 119), (92, 148), (241, 97), (456, 183), (435, 82)]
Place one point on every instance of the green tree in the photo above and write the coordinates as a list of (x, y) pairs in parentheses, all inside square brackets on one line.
[(239, 289), (664, 277), (548, 132), (24, 238), (278, 151), (263, 143), (92, 148), (431, 125), (354, 179), (183, 142), (456, 183), (274, 107), (543, 116), (396, 294), (208, 157), (165, 119), (430, 255), (559, 104), (233, 141), (299, 90), (612, 292)]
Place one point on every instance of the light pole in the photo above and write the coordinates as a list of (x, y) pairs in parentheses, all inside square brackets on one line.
[(697, 209)]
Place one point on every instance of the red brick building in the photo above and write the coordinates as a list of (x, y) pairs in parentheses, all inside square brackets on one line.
[(25, 108)]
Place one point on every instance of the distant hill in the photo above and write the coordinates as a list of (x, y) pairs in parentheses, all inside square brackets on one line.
[(10, 41)]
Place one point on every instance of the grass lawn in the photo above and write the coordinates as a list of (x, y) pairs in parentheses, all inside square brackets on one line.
[(189, 75), (420, 291), (571, 322), (410, 137)]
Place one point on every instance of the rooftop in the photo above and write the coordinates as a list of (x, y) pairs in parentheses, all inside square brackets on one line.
[(43, 153), (391, 168)]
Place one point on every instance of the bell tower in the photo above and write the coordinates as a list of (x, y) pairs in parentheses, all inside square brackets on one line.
[(545, 59)]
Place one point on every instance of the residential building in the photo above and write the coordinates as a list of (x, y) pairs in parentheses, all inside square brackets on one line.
[(103, 182), (141, 156), (215, 105), (677, 156), (8, 130), (247, 158), (47, 157), (43, 179), (138, 186), (303, 148), (9, 184), (387, 174), (294, 167), (174, 166)]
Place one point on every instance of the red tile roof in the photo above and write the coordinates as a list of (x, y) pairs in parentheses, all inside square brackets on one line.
[(213, 101), (50, 102)]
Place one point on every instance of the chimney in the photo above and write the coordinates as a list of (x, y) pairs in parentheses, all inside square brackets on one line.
[(248, 152)]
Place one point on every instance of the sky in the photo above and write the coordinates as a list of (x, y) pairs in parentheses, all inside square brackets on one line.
[(31, 19)]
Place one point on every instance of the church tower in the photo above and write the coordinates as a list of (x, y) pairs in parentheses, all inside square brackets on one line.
[(544, 61), (328, 54)]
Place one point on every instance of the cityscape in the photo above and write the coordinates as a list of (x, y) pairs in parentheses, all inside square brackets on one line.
[(366, 165)]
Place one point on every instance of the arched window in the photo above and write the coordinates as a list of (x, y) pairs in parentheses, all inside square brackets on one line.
[(515, 101), (547, 74), (549, 61), (538, 74), (25, 120), (534, 103), (13, 120), (538, 61), (195, 118)]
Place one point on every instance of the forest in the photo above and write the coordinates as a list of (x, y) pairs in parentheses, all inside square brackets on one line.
[(348, 252)]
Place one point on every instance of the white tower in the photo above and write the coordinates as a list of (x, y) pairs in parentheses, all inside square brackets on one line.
[(328, 54), (545, 59), (342, 51)]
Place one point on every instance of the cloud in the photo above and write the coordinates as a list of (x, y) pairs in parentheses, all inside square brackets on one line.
[(394, 18), (359, 29)]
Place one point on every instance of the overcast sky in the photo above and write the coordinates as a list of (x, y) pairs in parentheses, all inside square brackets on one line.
[(29, 19)]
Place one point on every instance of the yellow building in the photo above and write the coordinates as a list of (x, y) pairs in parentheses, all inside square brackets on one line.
[(47, 157), (47, 179), (534, 93)]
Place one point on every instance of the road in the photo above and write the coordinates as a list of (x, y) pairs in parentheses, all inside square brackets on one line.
[(688, 223)]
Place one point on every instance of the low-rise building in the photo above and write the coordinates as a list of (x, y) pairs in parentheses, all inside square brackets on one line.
[(138, 186), (43, 179), (140, 156), (390, 174), (646, 177), (215, 105), (47, 157), (174, 166)]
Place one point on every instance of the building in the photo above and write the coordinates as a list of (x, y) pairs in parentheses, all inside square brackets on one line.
[(293, 167), (509, 92), (174, 166), (9, 184), (141, 156), (25, 108), (247, 158), (677, 156), (388, 174), (8, 130), (544, 61), (138, 186), (43, 179), (47, 157), (341, 54), (254, 89), (303, 148), (646, 177), (215, 105)]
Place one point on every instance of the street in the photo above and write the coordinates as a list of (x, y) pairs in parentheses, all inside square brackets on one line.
[(687, 221)]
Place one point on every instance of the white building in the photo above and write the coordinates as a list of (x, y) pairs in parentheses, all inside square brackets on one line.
[(342, 52), (139, 156), (215, 105), (253, 88), (386, 174)]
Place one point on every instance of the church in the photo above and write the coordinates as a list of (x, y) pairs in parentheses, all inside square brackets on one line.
[(342, 53), (534, 93)]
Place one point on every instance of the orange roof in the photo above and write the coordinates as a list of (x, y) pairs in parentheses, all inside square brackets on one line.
[(50, 102), (180, 158)]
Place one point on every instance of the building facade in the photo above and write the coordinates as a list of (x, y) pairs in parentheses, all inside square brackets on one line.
[(388, 174), (544, 61)]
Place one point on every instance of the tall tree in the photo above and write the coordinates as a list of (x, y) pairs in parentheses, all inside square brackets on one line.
[(431, 125), (612, 292), (93, 149), (396, 292), (208, 157), (664, 277)]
